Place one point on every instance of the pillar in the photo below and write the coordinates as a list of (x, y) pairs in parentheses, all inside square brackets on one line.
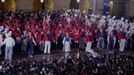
[(49, 4), (9, 5), (84, 5), (119, 7), (111, 7), (37, 5), (129, 8), (0, 5)]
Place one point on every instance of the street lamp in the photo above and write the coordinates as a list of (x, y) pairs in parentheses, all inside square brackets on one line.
[(2, 1)]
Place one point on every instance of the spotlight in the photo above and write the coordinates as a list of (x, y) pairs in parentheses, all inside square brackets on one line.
[(111, 2), (41, 1), (78, 1), (2, 1)]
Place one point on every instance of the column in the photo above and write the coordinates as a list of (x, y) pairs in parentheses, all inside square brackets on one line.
[(1, 5), (37, 5), (49, 5), (9, 5), (111, 7), (84, 5), (130, 8)]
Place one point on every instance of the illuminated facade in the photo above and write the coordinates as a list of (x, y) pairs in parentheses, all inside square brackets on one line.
[(112, 7)]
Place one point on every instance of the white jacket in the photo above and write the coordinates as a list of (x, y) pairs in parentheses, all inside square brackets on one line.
[(9, 42)]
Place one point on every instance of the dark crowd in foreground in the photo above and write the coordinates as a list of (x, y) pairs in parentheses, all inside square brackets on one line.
[(111, 64)]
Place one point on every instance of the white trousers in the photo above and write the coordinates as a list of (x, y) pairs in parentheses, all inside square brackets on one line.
[(8, 53), (88, 47), (67, 46), (47, 47), (122, 44)]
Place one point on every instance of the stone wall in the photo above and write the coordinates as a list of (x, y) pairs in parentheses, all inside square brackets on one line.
[(120, 7), (59, 4), (24, 4), (130, 9)]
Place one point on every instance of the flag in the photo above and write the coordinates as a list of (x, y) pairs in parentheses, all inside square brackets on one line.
[(105, 7)]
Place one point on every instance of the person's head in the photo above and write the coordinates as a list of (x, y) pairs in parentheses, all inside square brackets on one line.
[(113, 17), (29, 33), (108, 16), (60, 31), (67, 34), (90, 33), (48, 32), (24, 32), (9, 34), (122, 18), (126, 21), (82, 30)]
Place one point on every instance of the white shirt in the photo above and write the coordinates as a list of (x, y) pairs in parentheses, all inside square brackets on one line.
[(109, 29), (9, 42), (1, 38)]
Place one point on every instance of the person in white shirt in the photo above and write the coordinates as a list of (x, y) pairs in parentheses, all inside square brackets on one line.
[(9, 44), (1, 43), (66, 43)]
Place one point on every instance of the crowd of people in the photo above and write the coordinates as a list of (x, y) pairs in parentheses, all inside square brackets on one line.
[(71, 28), (109, 64)]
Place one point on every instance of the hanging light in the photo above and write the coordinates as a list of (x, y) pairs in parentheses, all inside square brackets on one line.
[(41, 1), (78, 1), (2, 1)]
